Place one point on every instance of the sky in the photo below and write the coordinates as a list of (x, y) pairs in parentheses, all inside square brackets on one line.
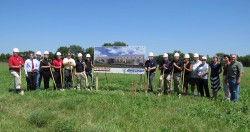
[(203, 26)]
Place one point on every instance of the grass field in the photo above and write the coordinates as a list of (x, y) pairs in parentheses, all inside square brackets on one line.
[(115, 108)]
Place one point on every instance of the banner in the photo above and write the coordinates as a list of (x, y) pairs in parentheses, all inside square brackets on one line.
[(119, 59)]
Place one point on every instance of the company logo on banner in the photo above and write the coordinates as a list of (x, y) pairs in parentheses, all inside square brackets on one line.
[(119, 59)]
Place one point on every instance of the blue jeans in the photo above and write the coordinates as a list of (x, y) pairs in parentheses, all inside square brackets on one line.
[(38, 80), (150, 86), (89, 73), (234, 88)]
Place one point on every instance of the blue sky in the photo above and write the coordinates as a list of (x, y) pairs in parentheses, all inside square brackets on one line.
[(203, 26)]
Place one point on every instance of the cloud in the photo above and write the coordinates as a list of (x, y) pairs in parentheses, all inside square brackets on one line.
[(132, 50), (99, 54)]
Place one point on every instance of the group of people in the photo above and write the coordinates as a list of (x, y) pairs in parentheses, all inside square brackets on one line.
[(173, 71), (36, 69), (195, 73)]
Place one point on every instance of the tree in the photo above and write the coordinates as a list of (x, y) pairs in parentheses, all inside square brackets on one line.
[(118, 43), (75, 49), (64, 50)]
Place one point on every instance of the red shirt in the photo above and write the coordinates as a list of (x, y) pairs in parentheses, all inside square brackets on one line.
[(57, 63), (14, 61)]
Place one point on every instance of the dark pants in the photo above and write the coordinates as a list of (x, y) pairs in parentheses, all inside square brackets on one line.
[(150, 86), (194, 81), (203, 84), (46, 77), (89, 74), (31, 80), (68, 78), (58, 79), (187, 80)]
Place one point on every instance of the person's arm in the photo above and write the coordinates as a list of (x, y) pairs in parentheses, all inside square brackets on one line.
[(26, 68), (220, 68), (176, 66), (65, 62), (241, 71), (92, 64), (204, 74), (73, 63), (189, 69)]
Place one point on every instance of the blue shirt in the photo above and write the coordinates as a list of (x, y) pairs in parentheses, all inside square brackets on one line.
[(202, 69), (168, 65), (28, 65), (151, 64), (38, 63)]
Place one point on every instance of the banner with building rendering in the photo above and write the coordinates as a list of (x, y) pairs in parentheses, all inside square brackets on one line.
[(119, 59)]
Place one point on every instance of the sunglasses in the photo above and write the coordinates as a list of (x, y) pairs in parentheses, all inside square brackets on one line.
[(203, 60)]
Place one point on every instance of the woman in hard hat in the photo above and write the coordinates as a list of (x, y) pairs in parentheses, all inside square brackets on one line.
[(202, 74), (89, 65), (187, 74)]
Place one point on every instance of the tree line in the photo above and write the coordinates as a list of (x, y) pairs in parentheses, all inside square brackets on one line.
[(75, 49)]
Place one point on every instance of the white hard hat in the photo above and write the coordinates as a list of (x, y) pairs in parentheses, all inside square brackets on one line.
[(15, 50), (196, 55), (88, 55), (38, 53), (79, 54), (204, 58), (165, 55), (46, 52), (151, 54), (176, 55), (58, 53), (187, 56)]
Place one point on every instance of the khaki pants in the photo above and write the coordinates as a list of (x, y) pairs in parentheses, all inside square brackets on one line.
[(177, 78), (226, 88), (167, 83), (81, 75), (17, 83), (160, 81)]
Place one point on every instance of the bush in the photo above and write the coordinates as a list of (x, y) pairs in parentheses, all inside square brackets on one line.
[(40, 118)]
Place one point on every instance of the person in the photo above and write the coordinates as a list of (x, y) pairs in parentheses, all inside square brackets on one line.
[(31, 67), (45, 66), (39, 76), (225, 84), (202, 73), (234, 75), (150, 67), (58, 74), (216, 69), (177, 69), (80, 72), (165, 59), (167, 67), (69, 64), (89, 65), (187, 74), (15, 63), (194, 78)]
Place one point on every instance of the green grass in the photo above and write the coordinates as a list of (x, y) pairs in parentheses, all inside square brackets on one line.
[(115, 108)]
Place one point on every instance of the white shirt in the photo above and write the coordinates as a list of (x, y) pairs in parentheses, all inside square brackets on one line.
[(68, 66), (194, 70), (28, 65)]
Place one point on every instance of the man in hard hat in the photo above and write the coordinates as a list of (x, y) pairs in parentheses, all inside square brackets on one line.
[(165, 59), (150, 67), (31, 70), (58, 67), (80, 72), (177, 67), (45, 65), (39, 76), (89, 65), (167, 67), (15, 64), (69, 64), (194, 77)]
